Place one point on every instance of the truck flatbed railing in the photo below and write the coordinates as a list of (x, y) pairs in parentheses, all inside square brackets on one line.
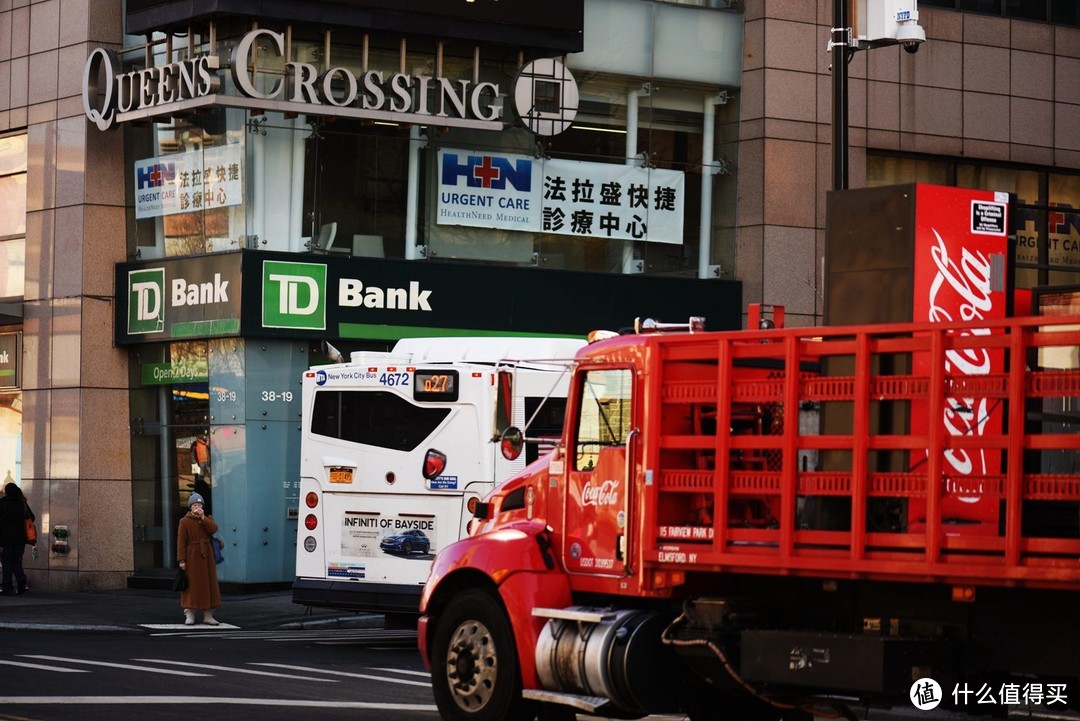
[(863, 460)]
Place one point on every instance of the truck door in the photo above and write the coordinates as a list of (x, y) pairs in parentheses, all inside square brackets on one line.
[(598, 500)]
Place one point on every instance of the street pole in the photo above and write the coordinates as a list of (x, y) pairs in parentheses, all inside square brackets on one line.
[(839, 45)]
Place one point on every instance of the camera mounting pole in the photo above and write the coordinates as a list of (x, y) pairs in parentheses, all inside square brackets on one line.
[(862, 25), (840, 46)]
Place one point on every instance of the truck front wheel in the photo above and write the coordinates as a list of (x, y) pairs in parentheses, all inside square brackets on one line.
[(474, 668)]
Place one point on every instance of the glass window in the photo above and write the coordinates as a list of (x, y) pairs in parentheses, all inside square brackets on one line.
[(1065, 12), (1025, 183), (1065, 190), (981, 6), (604, 416), (13, 268), (1047, 214), (13, 154), (893, 170), (544, 418), (374, 418), (12, 216), (1026, 9), (356, 175), (13, 185)]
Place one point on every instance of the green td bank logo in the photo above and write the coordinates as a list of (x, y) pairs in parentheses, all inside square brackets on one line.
[(293, 295), (146, 301)]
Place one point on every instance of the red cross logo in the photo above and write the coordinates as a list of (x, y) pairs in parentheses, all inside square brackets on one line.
[(485, 172), (1056, 221), (155, 176)]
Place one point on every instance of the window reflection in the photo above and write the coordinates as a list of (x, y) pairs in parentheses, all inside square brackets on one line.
[(1047, 212)]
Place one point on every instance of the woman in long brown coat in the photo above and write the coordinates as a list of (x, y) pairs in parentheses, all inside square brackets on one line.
[(196, 557)]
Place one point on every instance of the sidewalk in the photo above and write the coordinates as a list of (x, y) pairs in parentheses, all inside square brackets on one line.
[(131, 610)]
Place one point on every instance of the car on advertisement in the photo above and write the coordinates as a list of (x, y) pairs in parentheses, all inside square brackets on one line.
[(411, 541)]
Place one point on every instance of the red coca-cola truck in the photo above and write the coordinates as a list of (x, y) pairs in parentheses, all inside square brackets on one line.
[(722, 531)]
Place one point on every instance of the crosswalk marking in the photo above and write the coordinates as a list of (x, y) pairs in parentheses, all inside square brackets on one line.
[(345, 673), (425, 674), (43, 667), (302, 703), (113, 665), (233, 669)]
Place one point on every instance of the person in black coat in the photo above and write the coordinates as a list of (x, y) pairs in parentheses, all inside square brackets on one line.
[(14, 510)]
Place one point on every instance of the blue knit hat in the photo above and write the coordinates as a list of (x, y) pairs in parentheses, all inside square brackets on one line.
[(195, 498)]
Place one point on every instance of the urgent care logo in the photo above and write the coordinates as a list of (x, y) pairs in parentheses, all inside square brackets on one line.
[(487, 171), (294, 295), (146, 301), (154, 176)]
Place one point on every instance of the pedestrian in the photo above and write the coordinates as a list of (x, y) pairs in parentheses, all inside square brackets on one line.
[(196, 557), (14, 510)]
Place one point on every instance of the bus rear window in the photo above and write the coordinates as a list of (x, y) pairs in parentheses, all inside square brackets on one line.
[(375, 418)]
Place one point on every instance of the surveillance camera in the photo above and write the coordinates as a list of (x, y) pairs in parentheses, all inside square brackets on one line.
[(911, 36)]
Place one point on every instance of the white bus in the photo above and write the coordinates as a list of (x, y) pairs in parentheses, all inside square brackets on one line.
[(370, 524)]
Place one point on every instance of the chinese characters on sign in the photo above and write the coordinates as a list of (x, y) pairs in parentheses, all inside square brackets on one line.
[(564, 197), (187, 182)]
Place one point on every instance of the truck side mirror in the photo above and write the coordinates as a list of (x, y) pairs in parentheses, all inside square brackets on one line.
[(434, 464), (511, 442)]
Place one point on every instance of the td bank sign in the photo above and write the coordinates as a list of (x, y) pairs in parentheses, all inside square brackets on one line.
[(252, 294), (294, 295)]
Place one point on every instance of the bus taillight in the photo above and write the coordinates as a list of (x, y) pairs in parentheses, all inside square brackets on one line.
[(310, 522), (311, 499), (434, 464)]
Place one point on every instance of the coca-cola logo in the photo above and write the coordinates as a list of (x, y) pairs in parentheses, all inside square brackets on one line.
[(961, 291), (603, 494)]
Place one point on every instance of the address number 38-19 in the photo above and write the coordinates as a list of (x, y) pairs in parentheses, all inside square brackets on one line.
[(274, 396)]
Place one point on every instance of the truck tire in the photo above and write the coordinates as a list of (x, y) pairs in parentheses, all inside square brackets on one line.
[(474, 668)]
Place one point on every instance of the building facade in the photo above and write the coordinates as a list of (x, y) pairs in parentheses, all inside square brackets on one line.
[(195, 199)]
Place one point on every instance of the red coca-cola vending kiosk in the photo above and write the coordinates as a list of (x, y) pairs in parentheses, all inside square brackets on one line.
[(923, 252)]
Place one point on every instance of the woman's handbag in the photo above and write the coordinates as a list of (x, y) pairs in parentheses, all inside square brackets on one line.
[(180, 583), (219, 549), (31, 531)]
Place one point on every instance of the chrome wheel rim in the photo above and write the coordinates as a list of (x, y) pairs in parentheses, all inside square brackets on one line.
[(471, 666)]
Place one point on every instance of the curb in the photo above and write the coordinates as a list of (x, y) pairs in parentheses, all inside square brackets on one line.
[(83, 628), (365, 621)]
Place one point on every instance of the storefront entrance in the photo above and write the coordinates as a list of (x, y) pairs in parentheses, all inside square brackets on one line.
[(170, 448)]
